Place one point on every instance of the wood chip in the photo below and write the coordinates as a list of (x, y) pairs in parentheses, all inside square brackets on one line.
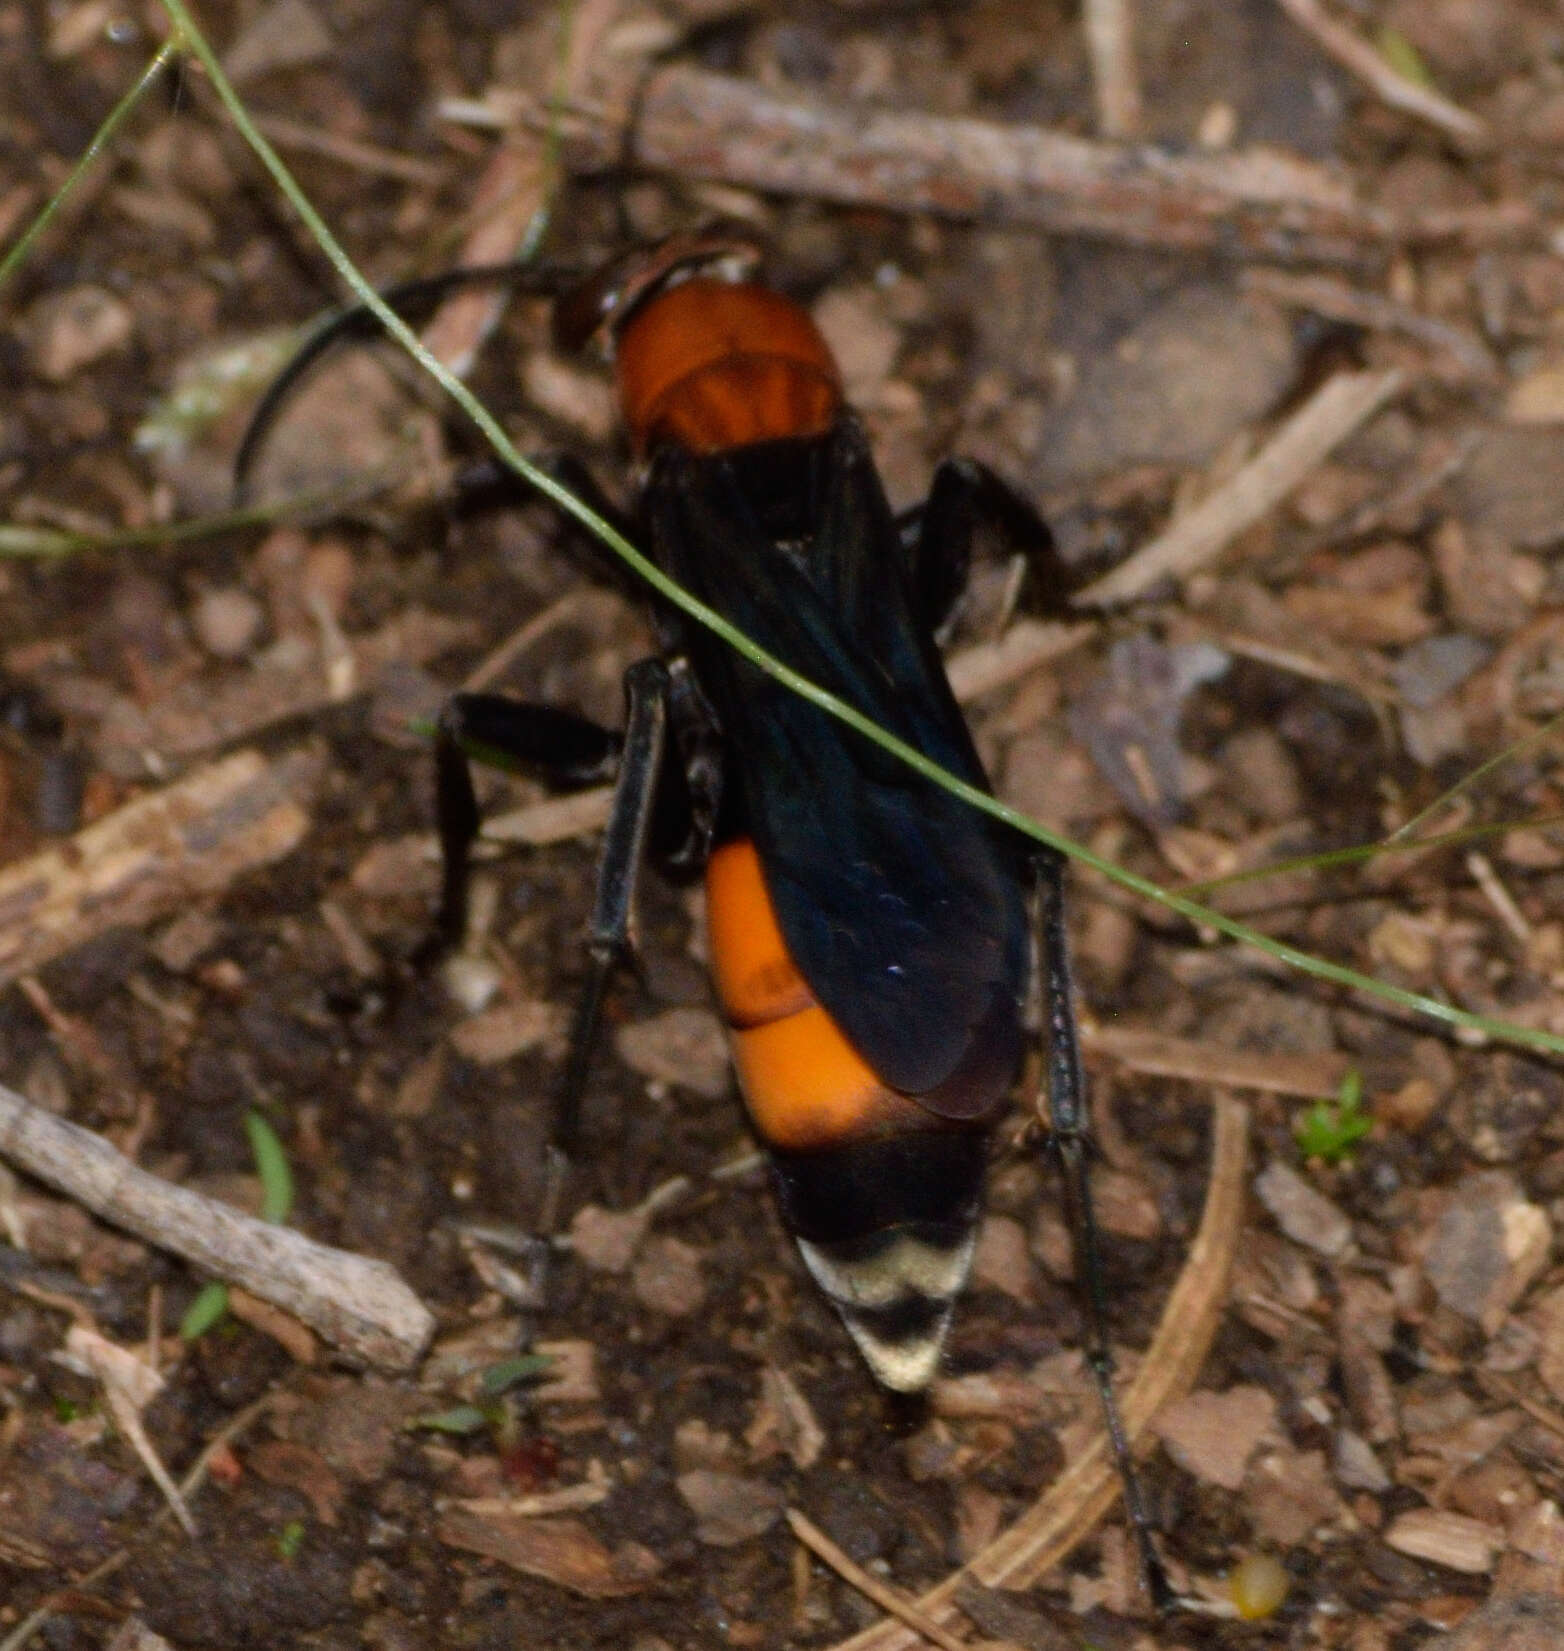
[(1509, 1622), (293, 1337), (559, 1550), (156, 855), (729, 1508), (784, 1420), (1489, 1244), (1449, 1539), (667, 1277), (1214, 1435), (607, 1240), (508, 1030), (1306, 1215), (685, 1047)]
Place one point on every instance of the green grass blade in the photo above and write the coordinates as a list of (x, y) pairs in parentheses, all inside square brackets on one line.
[(271, 1164), (165, 55)]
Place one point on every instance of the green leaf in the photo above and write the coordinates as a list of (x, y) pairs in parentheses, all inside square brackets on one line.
[(461, 1419), (525, 1367), (271, 1163), (204, 1312), (1330, 1129), (291, 1538), (1404, 58)]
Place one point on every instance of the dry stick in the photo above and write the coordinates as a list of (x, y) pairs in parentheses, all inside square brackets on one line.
[(1331, 414), (1069, 1511), (153, 856), (1360, 58), (1110, 42), (1026, 644), (1254, 203), (889, 1599), (511, 202), (359, 1305), (1154, 1054), (353, 152)]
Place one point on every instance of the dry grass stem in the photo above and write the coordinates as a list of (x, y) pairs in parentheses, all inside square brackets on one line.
[(889, 1599), (1393, 89), (1154, 1055), (1110, 41)]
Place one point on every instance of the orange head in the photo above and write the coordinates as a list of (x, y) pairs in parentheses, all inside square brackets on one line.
[(709, 365)]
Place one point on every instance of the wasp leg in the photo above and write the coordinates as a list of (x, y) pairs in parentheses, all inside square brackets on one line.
[(1070, 1140), (566, 752), (610, 933), (937, 538)]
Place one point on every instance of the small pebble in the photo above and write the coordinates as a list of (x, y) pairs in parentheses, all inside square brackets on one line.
[(607, 1240), (227, 622), (71, 329), (729, 1509), (667, 1278)]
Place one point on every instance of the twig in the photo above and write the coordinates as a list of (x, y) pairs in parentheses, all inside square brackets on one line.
[(352, 152), (1360, 58), (1069, 1511), (1327, 418), (1255, 203), (1498, 896), (510, 203), (1110, 43), (890, 1600), (153, 856), (1157, 1055), (359, 1305)]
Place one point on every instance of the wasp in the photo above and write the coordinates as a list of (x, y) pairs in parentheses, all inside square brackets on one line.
[(874, 942)]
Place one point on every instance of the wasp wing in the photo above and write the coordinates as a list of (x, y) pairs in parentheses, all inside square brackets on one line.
[(902, 907)]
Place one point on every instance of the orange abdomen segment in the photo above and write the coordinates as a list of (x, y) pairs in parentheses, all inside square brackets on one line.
[(805, 1086), (711, 365)]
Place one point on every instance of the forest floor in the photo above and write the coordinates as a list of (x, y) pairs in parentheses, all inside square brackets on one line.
[(1352, 281)]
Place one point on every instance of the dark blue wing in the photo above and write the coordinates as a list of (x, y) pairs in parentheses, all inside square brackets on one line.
[(903, 908)]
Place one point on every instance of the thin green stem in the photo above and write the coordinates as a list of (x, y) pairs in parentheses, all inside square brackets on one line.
[(165, 54), (1467, 781), (19, 542), (1332, 858)]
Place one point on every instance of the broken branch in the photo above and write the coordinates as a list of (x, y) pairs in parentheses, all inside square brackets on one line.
[(360, 1305)]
